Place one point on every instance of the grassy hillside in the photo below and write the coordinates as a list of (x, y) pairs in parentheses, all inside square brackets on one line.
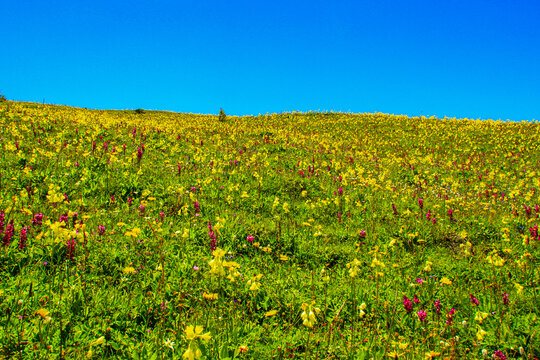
[(158, 235)]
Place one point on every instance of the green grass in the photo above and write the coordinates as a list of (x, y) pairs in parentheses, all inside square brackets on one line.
[(316, 193)]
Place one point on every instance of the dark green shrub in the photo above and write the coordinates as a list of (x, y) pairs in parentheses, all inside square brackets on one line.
[(222, 116)]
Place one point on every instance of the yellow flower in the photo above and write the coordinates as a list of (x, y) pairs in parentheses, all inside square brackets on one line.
[(217, 263), (271, 313), (43, 313), (129, 270), (255, 286), (210, 297), (431, 355), (353, 267), (480, 334), (480, 316), (309, 314), (427, 268), (395, 355), (193, 333), (193, 352), (446, 281)]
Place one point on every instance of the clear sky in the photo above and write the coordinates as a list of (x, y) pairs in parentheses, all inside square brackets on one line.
[(475, 59)]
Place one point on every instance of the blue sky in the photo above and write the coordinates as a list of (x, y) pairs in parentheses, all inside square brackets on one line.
[(475, 59)]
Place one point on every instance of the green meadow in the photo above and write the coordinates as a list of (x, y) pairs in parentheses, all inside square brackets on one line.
[(159, 235)]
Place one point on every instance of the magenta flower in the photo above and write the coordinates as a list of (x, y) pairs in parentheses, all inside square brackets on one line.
[(250, 238), (450, 317), (394, 209), (70, 254), (38, 219), (451, 214), (340, 191), (421, 203), (212, 236), (415, 299), (437, 305), (142, 209), (24, 237), (161, 215), (499, 355), (10, 230), (474, 300), (422, 315), (101, 229), (197, 207), (534, 233), (506, 299), (362, 233), (528, 211), (407, 304), (63, 218), (420, 281)]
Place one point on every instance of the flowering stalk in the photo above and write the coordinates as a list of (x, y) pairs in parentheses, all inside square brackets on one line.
[(24, 238)]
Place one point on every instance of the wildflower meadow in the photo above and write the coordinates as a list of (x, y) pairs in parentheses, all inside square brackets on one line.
[(159, 235)]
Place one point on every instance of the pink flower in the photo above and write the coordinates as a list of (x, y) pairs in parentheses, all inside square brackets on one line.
[(24, 237), (70, 254), (38, 219), (422, 315), (437, 305), (506, 300), (420, 281), (407, 304), (450, 317), (8, 234), (212, 236)]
